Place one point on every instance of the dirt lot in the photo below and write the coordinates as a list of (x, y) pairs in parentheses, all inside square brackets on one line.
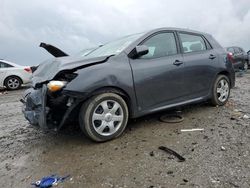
[(219, 156)]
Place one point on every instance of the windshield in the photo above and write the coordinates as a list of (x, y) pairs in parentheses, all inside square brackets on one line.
[(114, 47)]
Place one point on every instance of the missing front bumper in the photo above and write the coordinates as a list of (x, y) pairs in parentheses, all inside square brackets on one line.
[(34, 106), (48, 113)]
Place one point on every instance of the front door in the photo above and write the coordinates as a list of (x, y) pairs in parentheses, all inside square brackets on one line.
[(158, 75)]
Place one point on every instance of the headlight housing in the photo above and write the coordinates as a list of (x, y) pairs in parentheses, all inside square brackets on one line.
[(56, 85)]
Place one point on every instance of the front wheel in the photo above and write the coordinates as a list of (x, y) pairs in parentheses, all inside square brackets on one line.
[(104, 117), (221, 90)]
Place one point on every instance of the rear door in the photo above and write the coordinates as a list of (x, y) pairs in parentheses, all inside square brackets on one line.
[(200, 63), (158, 75)]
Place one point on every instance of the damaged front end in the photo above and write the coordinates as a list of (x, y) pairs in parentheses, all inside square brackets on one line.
[(48, 105)]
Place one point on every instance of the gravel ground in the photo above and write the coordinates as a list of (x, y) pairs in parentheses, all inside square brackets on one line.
[(216, 157)]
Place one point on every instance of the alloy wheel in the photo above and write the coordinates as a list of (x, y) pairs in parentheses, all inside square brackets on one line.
[(13, 83), (222, 90)]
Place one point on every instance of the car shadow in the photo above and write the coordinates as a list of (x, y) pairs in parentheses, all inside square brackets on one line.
[(72, 131)]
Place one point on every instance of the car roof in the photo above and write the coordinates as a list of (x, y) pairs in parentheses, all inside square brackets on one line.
[(178, 29), (162, 29), (234, 47)]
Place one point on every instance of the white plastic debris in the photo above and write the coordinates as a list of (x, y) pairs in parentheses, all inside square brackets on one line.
[(245, 117), (223, 148), (191, 130)]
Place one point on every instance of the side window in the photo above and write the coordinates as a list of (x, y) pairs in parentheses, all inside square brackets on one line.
[(4, 65), (160, 45), (192, 43)]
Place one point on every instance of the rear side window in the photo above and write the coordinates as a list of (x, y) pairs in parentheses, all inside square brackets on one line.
[(4, 65), (192, 43), (160, 45)]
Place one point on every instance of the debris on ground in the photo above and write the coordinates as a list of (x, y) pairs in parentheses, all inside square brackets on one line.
[(222, 148), (151, 154), (170, 172), (185, 180), (245, 117), (49, 181), (171, 118), (172, 152), (3, 92), (191, 130), (236, 115)]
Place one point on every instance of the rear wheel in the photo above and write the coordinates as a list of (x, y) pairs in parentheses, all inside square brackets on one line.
[(103, 117), (12, 83), (221, 90)]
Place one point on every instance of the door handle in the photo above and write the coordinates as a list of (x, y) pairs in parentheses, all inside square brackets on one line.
[(212, 56), (177, 62)]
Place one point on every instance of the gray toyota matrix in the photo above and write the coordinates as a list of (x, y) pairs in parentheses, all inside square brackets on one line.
[(130, 77)]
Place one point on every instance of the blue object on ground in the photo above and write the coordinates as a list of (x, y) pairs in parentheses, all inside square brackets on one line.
[(49, 181)]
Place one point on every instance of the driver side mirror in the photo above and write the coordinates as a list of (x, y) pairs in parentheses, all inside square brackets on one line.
[(139, 51)]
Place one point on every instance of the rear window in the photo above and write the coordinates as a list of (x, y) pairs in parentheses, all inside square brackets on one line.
[(192, 43)]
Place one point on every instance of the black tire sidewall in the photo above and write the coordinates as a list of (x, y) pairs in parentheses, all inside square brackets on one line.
[(215, 100), (87, 111)]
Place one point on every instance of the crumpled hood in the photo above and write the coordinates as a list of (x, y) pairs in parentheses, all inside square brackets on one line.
[(47, 70)]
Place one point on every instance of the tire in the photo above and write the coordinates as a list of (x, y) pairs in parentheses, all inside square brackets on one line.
[(98, 115), (220, 92), (245, 66), (12, 83)]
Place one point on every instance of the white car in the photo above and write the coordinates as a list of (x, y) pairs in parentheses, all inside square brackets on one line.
[(12, 76)]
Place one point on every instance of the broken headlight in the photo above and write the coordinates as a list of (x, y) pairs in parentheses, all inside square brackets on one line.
[(56, 85)]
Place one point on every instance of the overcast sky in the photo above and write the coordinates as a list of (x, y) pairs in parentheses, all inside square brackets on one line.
[(74, 25)]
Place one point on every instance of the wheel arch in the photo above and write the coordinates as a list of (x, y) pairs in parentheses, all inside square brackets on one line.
[(118, 91), (226, 73)]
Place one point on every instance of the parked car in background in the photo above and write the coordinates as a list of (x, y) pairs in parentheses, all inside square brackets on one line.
[(12, 76), (239, 58), (133, 76)]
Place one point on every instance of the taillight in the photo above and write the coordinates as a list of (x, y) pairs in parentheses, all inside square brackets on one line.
[(28, 69), (230, 57)]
